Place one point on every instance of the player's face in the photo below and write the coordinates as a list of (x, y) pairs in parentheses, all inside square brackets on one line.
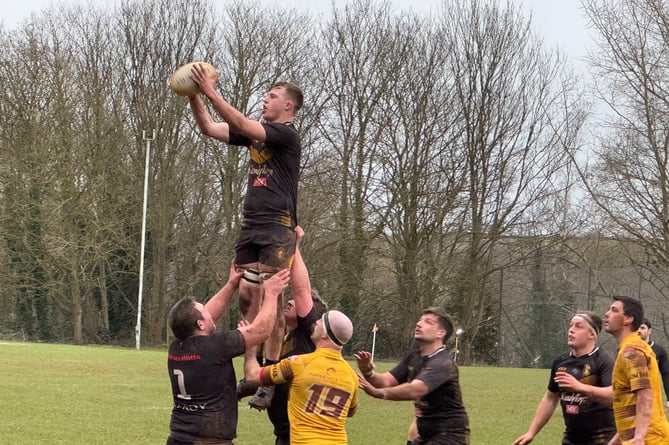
[(318, 331), (614, 318), (274, 104), (289, 311), (428, 329), (644, 332), (207, 324), (580, 333)]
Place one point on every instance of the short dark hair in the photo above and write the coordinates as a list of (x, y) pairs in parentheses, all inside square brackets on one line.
[(631, 308), (444, 319), (183, 318), (293, 92), (320, 305), (647, 323)]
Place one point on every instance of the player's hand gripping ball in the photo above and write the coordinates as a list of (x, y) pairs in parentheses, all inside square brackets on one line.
[(181, 82)]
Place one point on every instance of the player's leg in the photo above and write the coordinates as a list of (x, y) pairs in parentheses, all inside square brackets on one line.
[(250, 291), (450, 438), (412, 434), (282, 440), (278, 414), (270, 350), (277, 252), (250, 287)]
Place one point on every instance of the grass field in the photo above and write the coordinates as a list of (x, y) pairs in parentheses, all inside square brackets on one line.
[(63, 394)]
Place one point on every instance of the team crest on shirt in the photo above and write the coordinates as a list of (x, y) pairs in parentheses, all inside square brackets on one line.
[(260, 153), (587, 370), (571, 409), (292, 357)]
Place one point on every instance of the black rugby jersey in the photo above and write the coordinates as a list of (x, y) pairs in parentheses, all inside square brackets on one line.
[(587, 421), (441, 410), (204, 386), (274, 169)]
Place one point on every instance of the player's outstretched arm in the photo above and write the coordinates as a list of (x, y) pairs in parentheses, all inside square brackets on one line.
[(235, 119), (220, 302), (259, 331), (366, 367), (543, 414), (216, 130), (299, 277), (412, 390)]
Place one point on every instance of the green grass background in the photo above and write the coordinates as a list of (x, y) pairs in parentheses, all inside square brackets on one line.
[(64, 394)]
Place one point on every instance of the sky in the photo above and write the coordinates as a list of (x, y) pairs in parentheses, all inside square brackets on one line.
[(561, 23)]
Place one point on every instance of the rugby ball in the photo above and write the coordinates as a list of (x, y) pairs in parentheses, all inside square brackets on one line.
[(181, 82)]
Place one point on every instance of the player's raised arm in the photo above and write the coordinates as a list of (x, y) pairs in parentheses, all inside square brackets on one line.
[(234, 118), (206, 123), (366, 367), (300, 280), (220, 302), (259, 331), (413, 390)]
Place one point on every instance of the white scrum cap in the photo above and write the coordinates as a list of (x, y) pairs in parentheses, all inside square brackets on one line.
[(338, 327)]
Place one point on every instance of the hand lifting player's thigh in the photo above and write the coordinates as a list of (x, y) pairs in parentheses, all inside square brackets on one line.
[(250, 288)]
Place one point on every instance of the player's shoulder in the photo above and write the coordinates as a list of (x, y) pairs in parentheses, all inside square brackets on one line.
[(281, 133), (441, 360), (633, 348), (601, 357), (223, 335), (563, 358), (281, 127), (231, 341), (658, 348)]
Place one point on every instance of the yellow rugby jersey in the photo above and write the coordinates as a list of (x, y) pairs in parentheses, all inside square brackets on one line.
[(636, 368), (323, 389)]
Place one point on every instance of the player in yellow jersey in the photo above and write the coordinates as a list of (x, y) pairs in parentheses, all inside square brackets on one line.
[(323, 386), (637, 384)]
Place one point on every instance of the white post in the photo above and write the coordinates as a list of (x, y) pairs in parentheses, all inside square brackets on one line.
[(458, 334), (374, 329), (138, 326)]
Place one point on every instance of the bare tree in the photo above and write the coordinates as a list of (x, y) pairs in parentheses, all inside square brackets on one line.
[(22, 216), (360, 70), (511, 93), (158, 36), (420, 177), (629, 176)]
